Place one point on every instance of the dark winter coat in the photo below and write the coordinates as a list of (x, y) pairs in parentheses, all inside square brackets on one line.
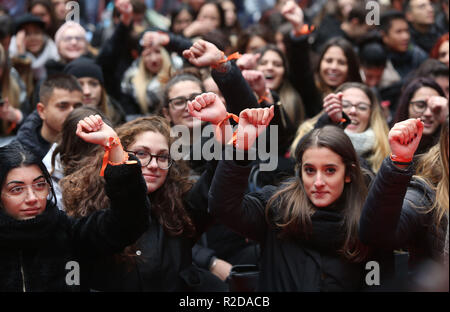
[(393, 215), (301, 74), (29, 135), (162, 262), (287, 264), (35, 253)]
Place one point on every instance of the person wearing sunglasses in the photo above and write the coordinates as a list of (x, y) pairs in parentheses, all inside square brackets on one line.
[(423, 98)]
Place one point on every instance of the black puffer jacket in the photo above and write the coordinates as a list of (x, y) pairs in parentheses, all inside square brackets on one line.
[(394, 216), (34, 253)]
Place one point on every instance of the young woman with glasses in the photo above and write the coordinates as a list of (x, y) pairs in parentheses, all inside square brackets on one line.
[(364, 123), (38, 241), (161, 259), (423, 98)]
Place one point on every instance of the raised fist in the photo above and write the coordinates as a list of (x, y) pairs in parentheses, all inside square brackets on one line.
[(203, 53), (251, 123), (92, 129), (248, 61), (154, 38), (294, 14), (404, 138), (208, 107)]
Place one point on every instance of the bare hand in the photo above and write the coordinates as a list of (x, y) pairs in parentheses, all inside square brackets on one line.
[(256, 80), (294, 14), (332, 105), (222, 269), (404, 138), (9, 113), (92, 129), (439, 107), (154, 38), (251, 123), (203, 53), (198, 28), (248, 61), (20, 41), (126, 11), (208, 107)]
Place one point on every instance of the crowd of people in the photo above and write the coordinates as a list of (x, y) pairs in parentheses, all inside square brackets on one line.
[(105, 148)]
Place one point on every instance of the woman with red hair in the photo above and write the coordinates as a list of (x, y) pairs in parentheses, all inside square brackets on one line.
[(440, 50)]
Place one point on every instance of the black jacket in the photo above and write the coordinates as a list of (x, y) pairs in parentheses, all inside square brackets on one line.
[(286, 264), (162, 262), (34, 253), (29, 135), (426, 41), (406, 62), (393, 216), (301, 74)]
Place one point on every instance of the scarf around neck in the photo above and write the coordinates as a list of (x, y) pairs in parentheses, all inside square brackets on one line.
[(362, 142), (27, 233)]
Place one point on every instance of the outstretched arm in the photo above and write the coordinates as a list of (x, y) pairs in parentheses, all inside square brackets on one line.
[(388, 220), (243, 214), (109, 231)]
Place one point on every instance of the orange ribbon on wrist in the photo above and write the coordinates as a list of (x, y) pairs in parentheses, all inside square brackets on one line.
[(305, 30), (263, 98), (219, 125), (112, 141), (233, 56)]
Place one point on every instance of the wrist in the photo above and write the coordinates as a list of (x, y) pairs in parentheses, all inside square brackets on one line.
[(18, 116), (212, 263), (401, 161)]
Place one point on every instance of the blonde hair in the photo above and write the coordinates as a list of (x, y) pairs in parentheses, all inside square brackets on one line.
[(432, 169), (292, 103), (380, 129), (143, 77), (377, 123), (9, 87)]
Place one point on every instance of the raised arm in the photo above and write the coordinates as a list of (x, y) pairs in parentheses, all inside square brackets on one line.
[(243, 214), (109, 231), (388, 220), (228, 77), (301, 74)]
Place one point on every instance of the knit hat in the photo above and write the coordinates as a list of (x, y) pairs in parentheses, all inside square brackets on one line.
[(84, 67), (61, 30), (27, 19)]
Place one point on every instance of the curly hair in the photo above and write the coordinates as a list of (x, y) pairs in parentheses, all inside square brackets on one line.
[(167, 201)]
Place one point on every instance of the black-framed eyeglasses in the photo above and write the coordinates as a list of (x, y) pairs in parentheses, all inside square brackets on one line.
[(163, 161), (419, 107), (180, 102)]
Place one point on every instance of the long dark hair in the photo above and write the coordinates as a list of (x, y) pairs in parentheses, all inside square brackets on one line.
[(352, 62), (71, 148), (293, 208), (402, 112), (14, 156), (177, 10)]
